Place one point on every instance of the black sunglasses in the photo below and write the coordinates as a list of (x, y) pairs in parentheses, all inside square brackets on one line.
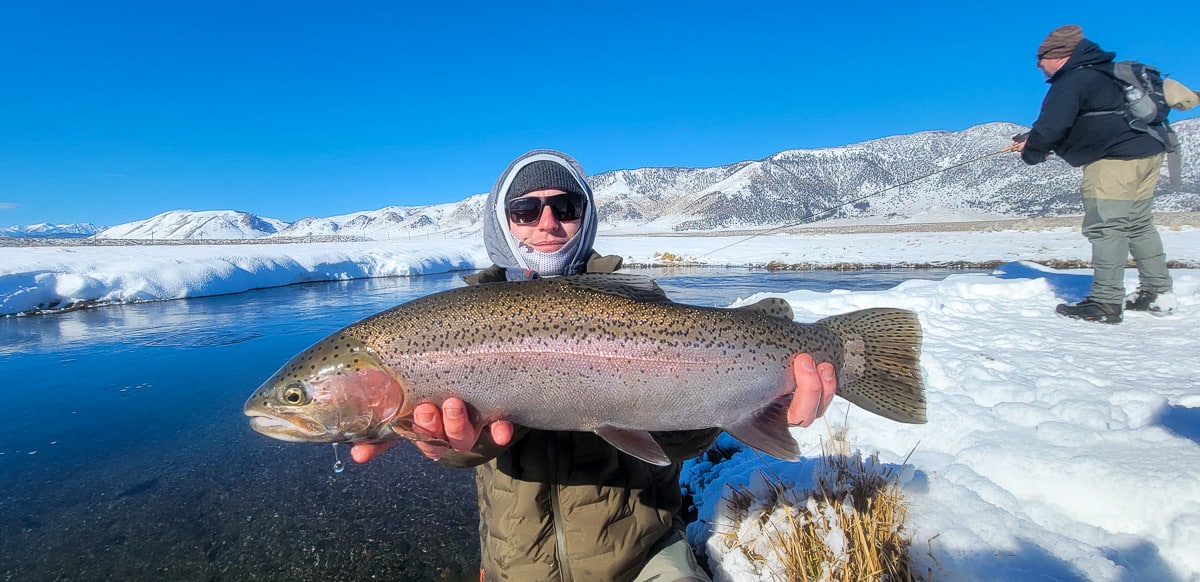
[(565, 207)]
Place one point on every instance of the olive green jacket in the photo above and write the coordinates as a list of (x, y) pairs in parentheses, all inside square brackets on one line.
[(567, 505)]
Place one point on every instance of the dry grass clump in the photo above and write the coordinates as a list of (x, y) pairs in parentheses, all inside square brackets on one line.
[(849, 527), (669, 258)]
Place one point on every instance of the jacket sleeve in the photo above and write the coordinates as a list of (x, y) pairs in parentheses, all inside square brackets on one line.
[(492, 274), (1059, 110), (598, 263)]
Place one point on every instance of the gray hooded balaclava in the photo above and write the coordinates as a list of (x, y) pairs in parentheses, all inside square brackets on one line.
[(536, 170)]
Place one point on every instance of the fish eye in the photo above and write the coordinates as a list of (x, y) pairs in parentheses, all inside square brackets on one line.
[(294, 394)]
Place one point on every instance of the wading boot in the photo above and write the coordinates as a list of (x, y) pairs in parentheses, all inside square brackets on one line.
[(1091, 310), (1151, 302)]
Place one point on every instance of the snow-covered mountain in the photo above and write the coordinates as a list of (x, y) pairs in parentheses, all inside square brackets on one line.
[(45, 230), (185, 224), (932, 176), (394, 221)]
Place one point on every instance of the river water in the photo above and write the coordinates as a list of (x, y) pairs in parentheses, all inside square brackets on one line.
[(124, 453)]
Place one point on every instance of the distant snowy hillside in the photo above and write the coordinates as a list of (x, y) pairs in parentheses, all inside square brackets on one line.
[(894, 179), (932, 176), (185, 224), (394, 221), (44, 230)]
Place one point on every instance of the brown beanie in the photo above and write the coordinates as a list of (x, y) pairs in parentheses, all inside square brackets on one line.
[(1061, 42)]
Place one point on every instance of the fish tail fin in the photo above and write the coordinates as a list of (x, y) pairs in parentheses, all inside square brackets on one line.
[(881, 367)]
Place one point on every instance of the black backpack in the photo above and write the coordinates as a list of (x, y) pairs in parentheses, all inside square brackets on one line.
[(1145, 105)]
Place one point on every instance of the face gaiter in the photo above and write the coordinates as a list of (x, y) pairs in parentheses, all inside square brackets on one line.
[(549, 264)]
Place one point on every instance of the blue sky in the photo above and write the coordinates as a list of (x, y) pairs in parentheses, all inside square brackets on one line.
[(116, 111)]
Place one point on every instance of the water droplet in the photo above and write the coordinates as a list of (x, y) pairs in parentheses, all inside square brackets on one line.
[(338, 465)]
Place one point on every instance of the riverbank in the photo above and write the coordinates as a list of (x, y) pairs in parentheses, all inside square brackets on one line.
[(39, 279)]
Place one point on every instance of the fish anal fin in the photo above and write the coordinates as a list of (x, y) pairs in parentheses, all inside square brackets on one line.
[(637, 443), (768, 431)]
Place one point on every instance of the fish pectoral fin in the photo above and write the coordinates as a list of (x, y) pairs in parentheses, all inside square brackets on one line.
[(404, 428), (768, 431), (637, 443)]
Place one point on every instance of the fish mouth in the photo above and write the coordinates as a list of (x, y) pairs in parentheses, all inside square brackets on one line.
[(298, 430)]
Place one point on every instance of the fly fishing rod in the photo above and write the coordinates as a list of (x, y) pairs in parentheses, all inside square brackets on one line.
[(805, 219)]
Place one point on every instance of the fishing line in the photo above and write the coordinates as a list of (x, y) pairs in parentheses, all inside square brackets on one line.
[(805, 219)]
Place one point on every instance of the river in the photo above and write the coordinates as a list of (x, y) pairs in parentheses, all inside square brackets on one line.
[(125, 454)]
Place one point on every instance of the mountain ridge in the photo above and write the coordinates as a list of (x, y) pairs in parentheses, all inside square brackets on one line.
[(47, 230), (932, 175)]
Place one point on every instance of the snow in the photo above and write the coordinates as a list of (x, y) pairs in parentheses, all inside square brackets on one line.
[(34, 278), (1055, 449), (186, 224)]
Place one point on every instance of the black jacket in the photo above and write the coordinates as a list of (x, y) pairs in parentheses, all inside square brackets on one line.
[(1080, 139)]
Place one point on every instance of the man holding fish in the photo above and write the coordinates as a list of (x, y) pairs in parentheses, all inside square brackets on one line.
[(578, 397)]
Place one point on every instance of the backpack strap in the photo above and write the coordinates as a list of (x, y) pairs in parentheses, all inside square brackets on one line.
[(1107, 72)]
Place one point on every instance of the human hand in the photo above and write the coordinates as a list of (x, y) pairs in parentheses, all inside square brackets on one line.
[(364, 452), (816, 386), (1018, 143), (450, 423)]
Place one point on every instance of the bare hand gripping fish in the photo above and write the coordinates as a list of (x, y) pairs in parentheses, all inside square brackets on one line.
[(605, 353)]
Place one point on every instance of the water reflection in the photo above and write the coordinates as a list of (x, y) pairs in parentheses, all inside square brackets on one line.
[(265, 311)]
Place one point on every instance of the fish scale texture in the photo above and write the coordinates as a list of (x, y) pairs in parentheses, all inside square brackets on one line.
[(603, 353)]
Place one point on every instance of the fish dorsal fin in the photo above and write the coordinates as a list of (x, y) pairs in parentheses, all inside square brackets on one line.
[(637, 443), (773, 306), (768, 431), (635, 287)]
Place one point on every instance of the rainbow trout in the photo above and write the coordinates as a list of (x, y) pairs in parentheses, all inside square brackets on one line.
[(606, 353)]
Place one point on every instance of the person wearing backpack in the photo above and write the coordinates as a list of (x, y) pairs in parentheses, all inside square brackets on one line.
[(1085, 120)]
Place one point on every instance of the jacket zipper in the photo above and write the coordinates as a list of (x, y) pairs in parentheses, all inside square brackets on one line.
[(560, 534)]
